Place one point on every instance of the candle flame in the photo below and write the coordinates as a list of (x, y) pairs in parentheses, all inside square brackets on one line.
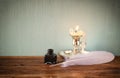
[(74, 31), (77, 28)]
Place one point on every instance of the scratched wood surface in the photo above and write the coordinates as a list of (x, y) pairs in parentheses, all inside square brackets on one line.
[(33, 67)]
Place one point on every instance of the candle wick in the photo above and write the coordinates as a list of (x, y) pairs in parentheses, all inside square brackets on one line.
[(75, 31)]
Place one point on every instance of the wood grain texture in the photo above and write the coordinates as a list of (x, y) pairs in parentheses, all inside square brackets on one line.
[(33, 67)]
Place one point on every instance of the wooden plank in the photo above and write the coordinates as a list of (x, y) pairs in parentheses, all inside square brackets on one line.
[(34, 67)]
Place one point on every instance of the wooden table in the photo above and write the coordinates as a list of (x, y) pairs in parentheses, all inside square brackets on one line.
[(33, 67)]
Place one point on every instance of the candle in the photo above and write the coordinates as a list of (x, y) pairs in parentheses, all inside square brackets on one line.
[(75, 32)]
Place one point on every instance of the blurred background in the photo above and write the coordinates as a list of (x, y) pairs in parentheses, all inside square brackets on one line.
[(30, 27)]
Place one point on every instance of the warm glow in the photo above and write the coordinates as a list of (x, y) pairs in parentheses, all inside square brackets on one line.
[(76, 32), (77, 28)]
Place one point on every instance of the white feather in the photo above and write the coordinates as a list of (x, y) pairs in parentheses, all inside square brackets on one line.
[(91, 58)]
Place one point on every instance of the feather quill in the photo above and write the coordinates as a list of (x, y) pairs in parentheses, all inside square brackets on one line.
[(91, 58)]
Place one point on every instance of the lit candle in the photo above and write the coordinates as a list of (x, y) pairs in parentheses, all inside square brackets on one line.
[(75, 32)]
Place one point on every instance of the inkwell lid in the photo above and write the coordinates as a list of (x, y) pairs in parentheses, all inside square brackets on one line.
[(50, 51)]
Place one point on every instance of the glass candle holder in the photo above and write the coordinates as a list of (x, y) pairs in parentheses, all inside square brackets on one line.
[(77, 39)]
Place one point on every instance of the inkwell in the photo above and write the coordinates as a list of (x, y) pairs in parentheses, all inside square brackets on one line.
[(50, 57)]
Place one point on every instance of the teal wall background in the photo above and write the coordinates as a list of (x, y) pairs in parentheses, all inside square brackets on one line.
[(30, 27)]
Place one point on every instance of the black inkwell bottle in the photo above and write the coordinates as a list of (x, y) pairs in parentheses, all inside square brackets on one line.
[(50, 57)]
